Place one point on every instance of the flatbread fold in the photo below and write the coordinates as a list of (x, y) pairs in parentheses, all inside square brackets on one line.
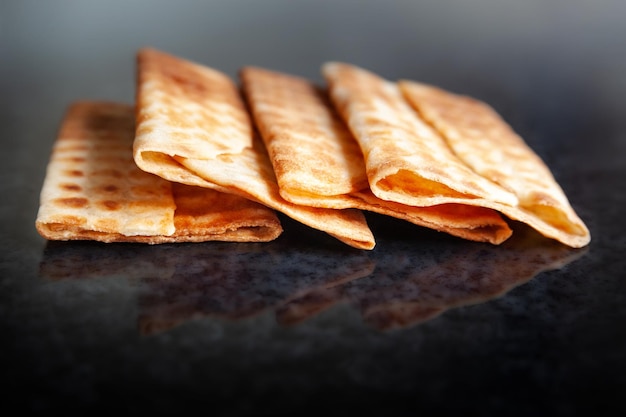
[(179, 144), (94, 191), (318, 162), (488, 145), (424, 147), (407, 161)]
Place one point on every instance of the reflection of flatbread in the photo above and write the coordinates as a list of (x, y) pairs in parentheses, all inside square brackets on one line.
[(488, 145), (94, 191), (236, 282), (406, 290), (471, 276), (318, 162), (408, 161), (168, 91)]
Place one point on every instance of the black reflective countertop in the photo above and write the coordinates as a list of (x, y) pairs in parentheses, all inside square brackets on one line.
[(423, 323)]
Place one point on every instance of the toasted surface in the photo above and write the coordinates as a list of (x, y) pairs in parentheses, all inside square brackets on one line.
[(407, 161), (186, 109), (457, 140), (242, 170), (92, 184), (468, 222), (94, 191), (203, 214), (250, 175), (310, 147), (318, 162), (485, 142)]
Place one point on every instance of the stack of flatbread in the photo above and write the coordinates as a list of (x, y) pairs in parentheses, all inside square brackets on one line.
[(201, 158)]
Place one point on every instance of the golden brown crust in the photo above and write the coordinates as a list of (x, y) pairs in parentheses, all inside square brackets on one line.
[(318, 162), (406, 160), (92, 183), (250, 175), (488, 145), (242, 169), (94, 191), (403, 149), (459, 151), (201, 212), (311, 149), (194, 106)]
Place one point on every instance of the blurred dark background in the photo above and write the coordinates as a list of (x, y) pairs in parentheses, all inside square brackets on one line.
[(556, 70), (87, 47)]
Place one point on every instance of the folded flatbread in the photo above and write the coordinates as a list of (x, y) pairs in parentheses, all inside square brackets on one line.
[(318, 162), (216, 147), (407, 161), (94, 191), (410, 158), (488, 145)]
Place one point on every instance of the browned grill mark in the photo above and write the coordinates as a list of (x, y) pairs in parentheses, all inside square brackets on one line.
[(109, 205), (188, 84), (74, 173), (70, 187), (74, 202), (67, 220), (143, 204), (109, 188), (77, 159)]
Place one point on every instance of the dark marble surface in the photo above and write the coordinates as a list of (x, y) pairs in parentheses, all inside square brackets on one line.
[(423, 323)]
